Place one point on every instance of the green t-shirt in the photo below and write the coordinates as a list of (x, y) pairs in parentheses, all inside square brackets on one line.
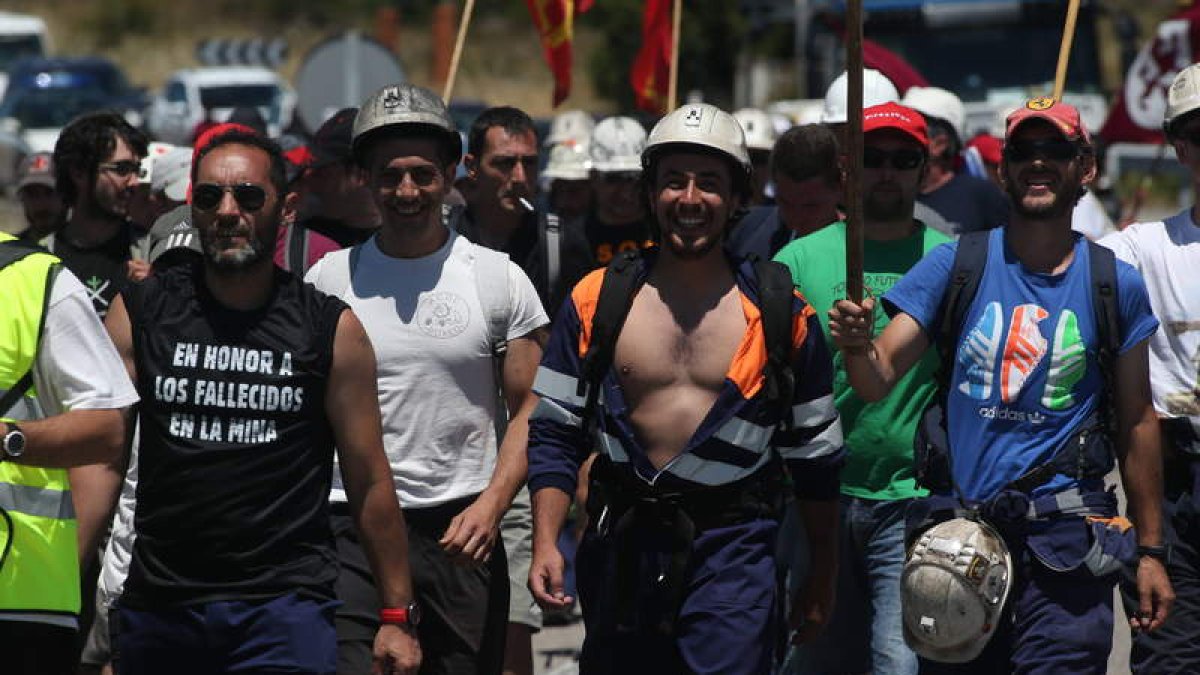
[(878, 435)]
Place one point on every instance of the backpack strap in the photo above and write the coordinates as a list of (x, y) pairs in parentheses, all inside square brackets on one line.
[(11, 252), (1105, 307), (295, 254), (970, 259), (491, 285), (776, 291), (620, 284), (553, 234)]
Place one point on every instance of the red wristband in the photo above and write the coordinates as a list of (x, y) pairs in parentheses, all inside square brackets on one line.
[(397, 616)]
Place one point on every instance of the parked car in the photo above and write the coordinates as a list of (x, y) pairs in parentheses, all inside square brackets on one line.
[(21, 35), (43, 95), (190, 95)]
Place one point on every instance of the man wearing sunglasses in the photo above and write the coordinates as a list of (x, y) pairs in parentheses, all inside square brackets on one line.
[(97, 165), (249, 380), (1025, 401), (864, 634), (1167, 253), (428, 299)]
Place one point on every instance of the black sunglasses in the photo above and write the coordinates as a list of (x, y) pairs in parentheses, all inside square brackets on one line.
[(1056, 149), (208, 196), (124, 168), (904, 159)]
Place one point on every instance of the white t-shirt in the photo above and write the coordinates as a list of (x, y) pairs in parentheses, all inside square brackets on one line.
[(436, 379), (77, 368), (1089, 218), (1167, 253)]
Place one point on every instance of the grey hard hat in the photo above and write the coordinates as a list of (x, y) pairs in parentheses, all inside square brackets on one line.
[(702, 125), (1183, 96), (404, 104)]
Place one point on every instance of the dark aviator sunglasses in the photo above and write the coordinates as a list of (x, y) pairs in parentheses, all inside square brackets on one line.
[(208, 196)]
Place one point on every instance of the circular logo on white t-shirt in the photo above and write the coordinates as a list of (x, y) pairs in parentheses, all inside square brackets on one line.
[(442, 315)]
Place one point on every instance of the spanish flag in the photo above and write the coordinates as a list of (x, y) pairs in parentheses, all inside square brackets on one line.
[(555, 23), (652, 67)]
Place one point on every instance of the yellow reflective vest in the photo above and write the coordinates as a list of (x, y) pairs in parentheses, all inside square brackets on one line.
[(39, 570)]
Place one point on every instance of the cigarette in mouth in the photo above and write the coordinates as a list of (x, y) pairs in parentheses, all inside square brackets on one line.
[(525, 203)]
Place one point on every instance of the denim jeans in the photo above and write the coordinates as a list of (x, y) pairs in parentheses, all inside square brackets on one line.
[(864, 634)]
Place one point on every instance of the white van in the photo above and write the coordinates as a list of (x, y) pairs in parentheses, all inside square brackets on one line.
[(21, 35), (188, 94)]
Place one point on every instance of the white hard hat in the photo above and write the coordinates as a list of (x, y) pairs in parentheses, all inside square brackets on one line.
[(616, 145), (758, 127), (153, 149), (940, 103), (405, 104), (704, 125), (1184, 95), (877, 89), (953, 588), (568, 161), (571, 125)]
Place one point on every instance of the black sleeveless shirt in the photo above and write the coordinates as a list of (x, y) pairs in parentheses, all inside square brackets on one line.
[(236, 450)]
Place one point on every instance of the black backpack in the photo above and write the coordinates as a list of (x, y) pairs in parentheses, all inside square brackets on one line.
[(621, 283), (931, 443)]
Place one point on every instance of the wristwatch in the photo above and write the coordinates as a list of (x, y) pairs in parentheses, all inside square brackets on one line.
[(408, 616), (13, 442), (1161, 553)]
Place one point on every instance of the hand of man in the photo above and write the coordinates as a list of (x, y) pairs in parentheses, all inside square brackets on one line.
[(1155, 595), (546, 578), (137, 270), (396, 651), (812, 605), (472, 534), (851, 326)]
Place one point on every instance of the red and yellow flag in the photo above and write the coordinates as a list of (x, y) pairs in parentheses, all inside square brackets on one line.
[(652, 67), (554, 20)]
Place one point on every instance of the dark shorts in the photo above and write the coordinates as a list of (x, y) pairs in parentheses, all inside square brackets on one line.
[(464, 609), (37, 649), (289, 634)]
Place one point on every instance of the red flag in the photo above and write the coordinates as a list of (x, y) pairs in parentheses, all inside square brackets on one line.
[(652, 67), (554, 20), (892, 65), (1137, 114)]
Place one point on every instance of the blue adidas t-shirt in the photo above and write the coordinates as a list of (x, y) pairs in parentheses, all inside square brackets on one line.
[(1026, 374)]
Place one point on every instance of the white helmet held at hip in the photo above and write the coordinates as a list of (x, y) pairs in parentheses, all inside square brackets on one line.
[(616, 145), (953, 588), (877, 89), (758, 127), (1183, 96)]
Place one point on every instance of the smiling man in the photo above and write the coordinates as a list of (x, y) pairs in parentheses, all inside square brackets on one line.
[(97, 160), (249, 378), (677, 571), (1036, 403)]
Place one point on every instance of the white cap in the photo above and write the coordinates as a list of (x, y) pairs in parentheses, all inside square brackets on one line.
[(571, 125), (758, 127), (877, 89), (172, 172), (616, 145), (939, 103), (1184, 95), (154, 149), (568, 161)]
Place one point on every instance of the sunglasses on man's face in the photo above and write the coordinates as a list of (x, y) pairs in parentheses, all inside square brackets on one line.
[(208, 196), (1054, 149), (123, 169), (904, 159)]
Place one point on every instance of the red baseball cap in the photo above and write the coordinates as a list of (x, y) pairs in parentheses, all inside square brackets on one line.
[(1064, 117), (898, 117), (988, 147)]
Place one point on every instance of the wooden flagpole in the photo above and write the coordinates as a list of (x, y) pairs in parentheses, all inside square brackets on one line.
[(1064, 50), (854, 151), (465, 21), (673, 85)]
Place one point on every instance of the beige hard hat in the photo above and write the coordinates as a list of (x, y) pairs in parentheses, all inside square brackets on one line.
[(568, 161), (1183, 96), (703, 125), (939, 103), (405, 104), (953, 588), (877, 89), (571, 125), (616, 145), (758, 127)]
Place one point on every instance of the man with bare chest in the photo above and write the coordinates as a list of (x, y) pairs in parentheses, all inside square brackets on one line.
[(676, 571)]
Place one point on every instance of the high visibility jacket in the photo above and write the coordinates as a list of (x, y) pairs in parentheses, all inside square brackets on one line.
[(39, 570)]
